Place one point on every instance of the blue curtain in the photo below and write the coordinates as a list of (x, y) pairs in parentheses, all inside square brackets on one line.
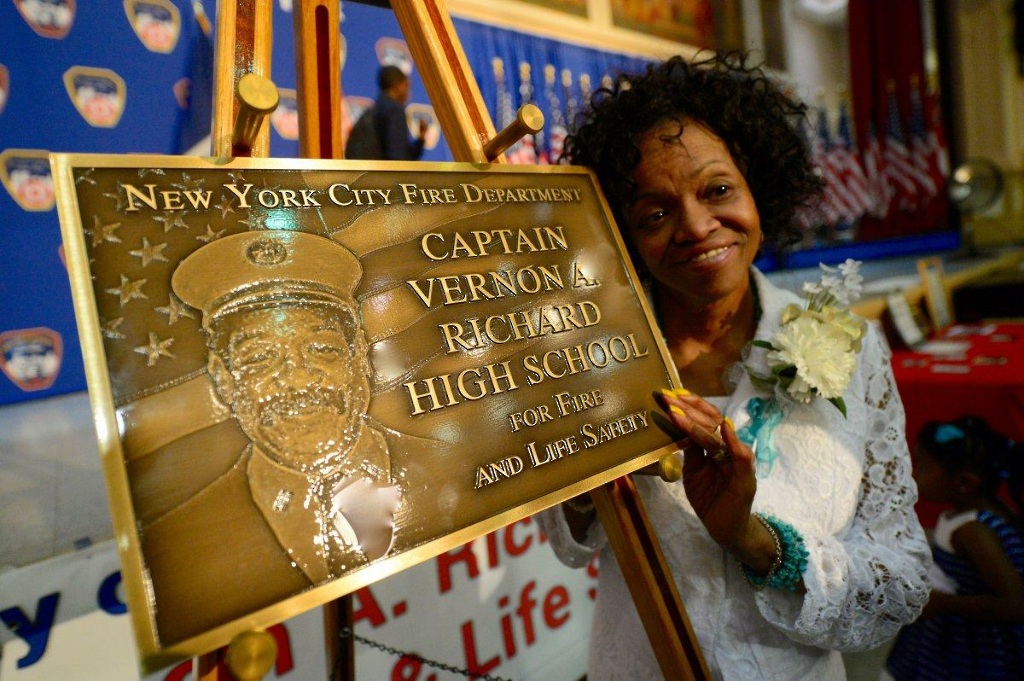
[(98, 77), (513, 69)]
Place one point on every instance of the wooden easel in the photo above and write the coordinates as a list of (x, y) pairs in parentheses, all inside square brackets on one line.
[(244, 47)]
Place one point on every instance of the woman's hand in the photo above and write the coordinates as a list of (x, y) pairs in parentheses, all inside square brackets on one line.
[(718, 471)]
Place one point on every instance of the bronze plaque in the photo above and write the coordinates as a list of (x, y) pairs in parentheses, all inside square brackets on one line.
[(308, 375)]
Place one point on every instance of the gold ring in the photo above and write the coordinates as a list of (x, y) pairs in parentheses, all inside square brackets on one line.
[(722, 454)]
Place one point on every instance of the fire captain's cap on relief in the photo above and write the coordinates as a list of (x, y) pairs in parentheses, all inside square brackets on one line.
[(267, 268)]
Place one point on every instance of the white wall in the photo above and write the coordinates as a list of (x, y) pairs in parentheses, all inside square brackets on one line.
[(817, 53)]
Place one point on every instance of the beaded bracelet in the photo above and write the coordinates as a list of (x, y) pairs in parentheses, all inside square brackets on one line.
[(790, 557)]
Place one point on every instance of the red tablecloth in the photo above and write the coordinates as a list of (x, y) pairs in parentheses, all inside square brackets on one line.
[(980, 372)]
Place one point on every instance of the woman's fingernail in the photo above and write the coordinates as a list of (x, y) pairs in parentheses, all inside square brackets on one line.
[(680, 392), (728, 422), (667, 393), (676, 410)]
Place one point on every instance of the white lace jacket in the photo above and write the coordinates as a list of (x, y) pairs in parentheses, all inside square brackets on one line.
[(843, 483)]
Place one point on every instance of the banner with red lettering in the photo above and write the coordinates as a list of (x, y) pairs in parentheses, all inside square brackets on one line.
[(501, 606)]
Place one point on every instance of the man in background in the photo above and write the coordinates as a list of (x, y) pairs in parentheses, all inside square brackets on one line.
[(382, 132)]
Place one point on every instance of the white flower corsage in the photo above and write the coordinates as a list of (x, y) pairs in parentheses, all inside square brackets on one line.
[(815, 351)]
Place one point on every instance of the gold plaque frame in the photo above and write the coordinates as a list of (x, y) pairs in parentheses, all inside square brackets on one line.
[(507, 345)]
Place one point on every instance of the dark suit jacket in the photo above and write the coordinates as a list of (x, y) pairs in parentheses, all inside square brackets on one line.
[(393, 132), (209, 550)]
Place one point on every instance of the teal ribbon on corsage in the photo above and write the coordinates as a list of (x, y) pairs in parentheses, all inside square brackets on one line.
[(759, 434)]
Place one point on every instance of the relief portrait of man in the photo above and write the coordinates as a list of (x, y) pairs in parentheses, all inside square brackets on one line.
[(307, 494)]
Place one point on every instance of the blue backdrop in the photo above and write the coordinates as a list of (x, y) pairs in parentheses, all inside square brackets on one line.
[(78, 79), (113, 77)]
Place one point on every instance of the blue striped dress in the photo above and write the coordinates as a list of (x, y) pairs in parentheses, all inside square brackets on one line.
[(951, 647)]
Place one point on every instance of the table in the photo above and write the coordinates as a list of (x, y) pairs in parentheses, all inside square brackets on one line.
[(968, 369)]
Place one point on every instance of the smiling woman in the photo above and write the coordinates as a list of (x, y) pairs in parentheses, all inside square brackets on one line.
[(693, 222), (703, 165)]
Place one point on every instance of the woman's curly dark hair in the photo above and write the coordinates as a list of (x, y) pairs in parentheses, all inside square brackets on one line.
[(759, 124)]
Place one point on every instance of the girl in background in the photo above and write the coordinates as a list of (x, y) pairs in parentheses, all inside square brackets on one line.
[(973, 625)]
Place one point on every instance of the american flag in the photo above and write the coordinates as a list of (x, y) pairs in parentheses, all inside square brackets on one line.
[(586, 89), (556, 134), (806, 218), (837, 204), (821, 211), (515, 154), (531, 148), (572, 107), (922, 153), (900, 171), (874, 171), (936, 132), (845, 159)]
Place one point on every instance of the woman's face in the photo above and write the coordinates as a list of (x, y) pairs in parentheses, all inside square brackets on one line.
[(693, 220)]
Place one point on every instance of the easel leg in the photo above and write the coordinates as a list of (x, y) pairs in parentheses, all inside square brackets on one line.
[(318, 77), (643, 566), (244, 36), (341, 654), (316, 24), (450, 83), (207, 667)]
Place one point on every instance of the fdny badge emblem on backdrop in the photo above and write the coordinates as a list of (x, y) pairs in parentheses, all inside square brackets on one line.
[(285, 117), (48, 18), (31, 357), (414, 113), (26, 175), (394, 52), (5, 86), (98, 94), (156, 22)]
